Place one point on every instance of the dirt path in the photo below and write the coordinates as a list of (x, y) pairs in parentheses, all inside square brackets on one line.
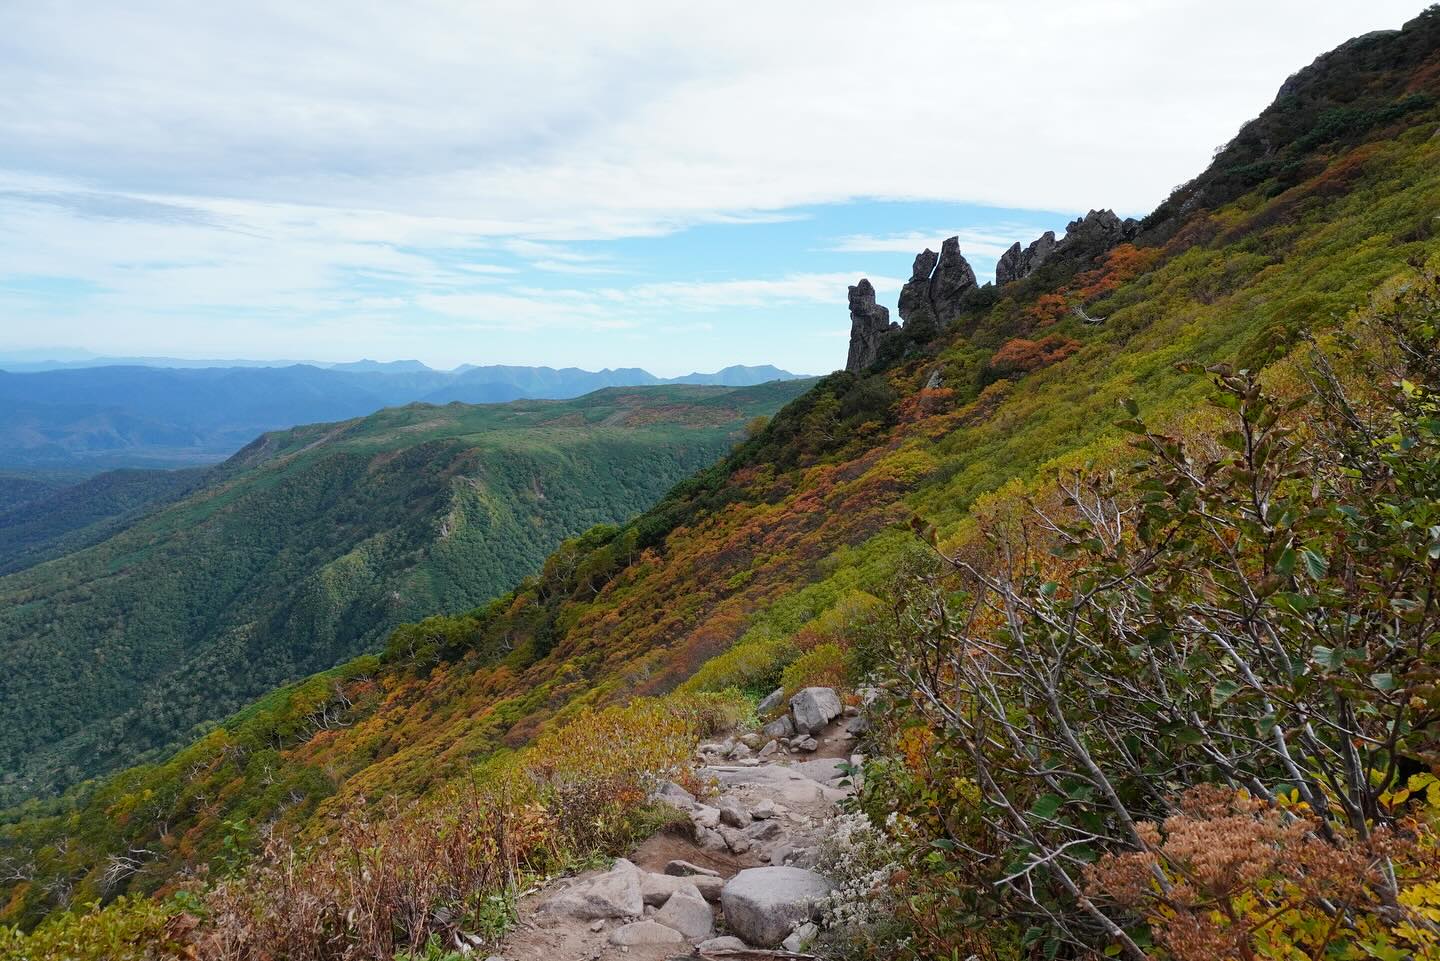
[(776, 807)]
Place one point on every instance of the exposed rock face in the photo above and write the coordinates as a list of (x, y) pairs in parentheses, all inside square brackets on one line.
[(1100, 229), (1016, 264), (763, 905), (938, 283), (953, 279), (869, 325)]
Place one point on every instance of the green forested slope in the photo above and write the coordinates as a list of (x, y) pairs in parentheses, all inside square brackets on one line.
[(308, 546), (77, 515)]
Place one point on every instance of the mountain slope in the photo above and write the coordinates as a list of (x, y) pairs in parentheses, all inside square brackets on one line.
[(308, 545), (78, 515), (737, 572)]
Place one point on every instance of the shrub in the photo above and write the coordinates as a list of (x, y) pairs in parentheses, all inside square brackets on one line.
[(821, 666)]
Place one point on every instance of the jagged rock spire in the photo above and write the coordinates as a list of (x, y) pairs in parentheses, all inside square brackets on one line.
[(869, 325), (937, 284)]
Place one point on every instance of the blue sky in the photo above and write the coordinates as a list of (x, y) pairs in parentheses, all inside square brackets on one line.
[(677, 187)]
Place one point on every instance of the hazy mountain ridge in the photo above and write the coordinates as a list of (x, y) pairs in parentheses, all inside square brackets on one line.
[(142, 416)]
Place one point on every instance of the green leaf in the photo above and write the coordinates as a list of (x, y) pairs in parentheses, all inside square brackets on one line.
[(1315, 564), (1222, 692), (1384, 682), (1046, 806)]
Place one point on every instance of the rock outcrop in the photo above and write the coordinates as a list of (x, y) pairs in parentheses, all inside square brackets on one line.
[(1098, 230), (869, 325), (937, 284), (1017, 264), (1090, 235)]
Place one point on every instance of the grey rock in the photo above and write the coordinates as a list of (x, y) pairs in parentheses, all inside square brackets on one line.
[(774, 699), (749, 762), (806, 744), (916, 311), (741, 749), (686, 869), (763, 905), (725, 943), (615, 894), (780, 727), (733, 814), (782, 783), (645, 932), (870, 325), (813, 708), (656, 889), (675, 795), (710, 840), (800, 938), (952, 280), (687, 912), (1016, 264), (934, 380), (857, 725), (938, 284), (827, 769), (770, 748), (704, 816), (1096, 232), (765, 809), (735, 839), (597, 925), (765, 831)]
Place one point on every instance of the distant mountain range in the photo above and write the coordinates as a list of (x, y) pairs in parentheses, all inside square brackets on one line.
[(155, 413)]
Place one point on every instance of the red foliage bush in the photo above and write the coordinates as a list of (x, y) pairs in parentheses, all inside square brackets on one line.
[(1021, 356)]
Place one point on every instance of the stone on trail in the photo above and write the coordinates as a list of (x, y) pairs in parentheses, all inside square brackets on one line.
[(763, 905), (765, 831), (615, 894), (813, 708), (771, 747), (726, 942), (682, 869), (782, 726), (765, 809), (656, 889), (733, 814), (806, 744), (735, 839), (675, 795), (645, 932), (687, 912)]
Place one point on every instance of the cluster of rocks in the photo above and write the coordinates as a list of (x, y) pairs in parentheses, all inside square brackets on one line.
[(939, 282), (763, 907), (764, 805), (1092, 234)]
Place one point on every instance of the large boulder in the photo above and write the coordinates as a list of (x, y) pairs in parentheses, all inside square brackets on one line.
[(813, 708), (870, 324), (763, 905), (615, 894), (916, 311)]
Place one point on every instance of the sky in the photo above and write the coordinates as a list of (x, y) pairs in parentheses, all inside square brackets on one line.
[(673, 186)]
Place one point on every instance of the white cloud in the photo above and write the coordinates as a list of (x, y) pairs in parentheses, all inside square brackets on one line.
[(285, 161)]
